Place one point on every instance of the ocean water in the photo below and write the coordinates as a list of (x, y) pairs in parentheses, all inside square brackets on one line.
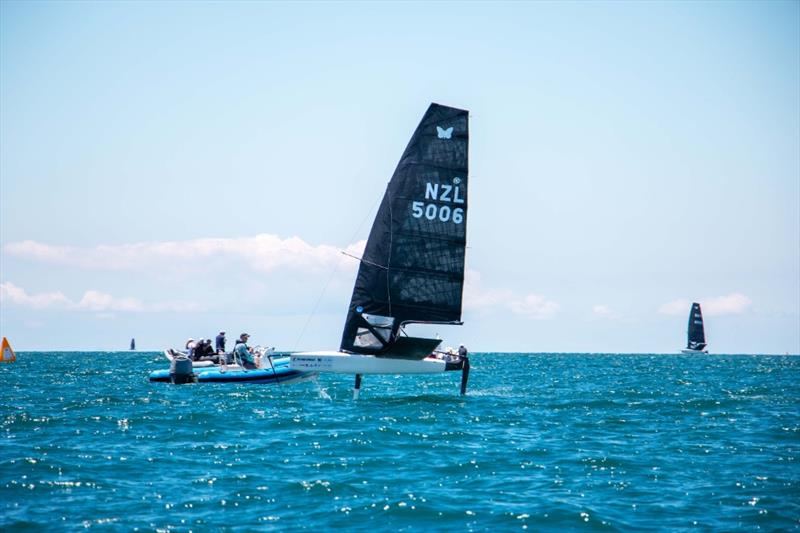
[(541, 442)]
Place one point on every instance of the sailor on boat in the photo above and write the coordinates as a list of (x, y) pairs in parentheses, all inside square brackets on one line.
[(243, 353), (199, 349), (190, 346), (220, 343), (204, 352)]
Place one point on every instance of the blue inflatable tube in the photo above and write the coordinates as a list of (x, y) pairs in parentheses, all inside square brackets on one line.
[(279, 372), (281, 375)]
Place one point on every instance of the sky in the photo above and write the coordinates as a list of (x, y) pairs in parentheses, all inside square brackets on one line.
[(173, 169)]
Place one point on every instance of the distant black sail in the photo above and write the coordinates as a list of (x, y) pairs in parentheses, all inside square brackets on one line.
[(412, 269), (697, 335)]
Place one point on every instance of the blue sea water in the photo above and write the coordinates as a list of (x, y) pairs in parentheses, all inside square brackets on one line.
[(541, 442)]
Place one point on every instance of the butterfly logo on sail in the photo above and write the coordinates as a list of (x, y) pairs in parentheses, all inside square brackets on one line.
[(444, 133)]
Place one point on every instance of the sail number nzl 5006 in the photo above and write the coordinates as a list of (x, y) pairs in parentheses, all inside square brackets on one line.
[(441, 193)]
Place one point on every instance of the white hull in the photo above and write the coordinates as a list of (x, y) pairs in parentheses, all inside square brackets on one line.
[(689, 351), (353, 363)]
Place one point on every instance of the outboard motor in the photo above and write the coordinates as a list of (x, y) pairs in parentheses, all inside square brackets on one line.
[(180, 370)]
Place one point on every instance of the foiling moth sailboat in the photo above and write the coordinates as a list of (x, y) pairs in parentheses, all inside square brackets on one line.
[(696, 342), (412, 270)]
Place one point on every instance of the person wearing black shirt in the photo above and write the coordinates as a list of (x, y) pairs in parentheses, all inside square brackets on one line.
[(220, 344)]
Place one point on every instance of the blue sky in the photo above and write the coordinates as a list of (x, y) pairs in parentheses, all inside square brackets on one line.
[(171, 169)]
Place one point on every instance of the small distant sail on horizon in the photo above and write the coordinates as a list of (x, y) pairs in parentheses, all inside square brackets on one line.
[(133, 344), (7, 354), (696, 335)]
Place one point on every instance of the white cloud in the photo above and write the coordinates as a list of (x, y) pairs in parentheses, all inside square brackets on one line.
[(603, 311), (99, 301), (91, 300), (17, 295), (261, 253), (675, 307), (177, 307), (40, 252), (477, 298), (533, 306), (732, 304)]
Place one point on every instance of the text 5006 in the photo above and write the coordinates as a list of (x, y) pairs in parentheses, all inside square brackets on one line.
[(441, 193)]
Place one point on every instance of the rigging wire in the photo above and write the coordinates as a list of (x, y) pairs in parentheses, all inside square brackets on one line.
[(333, 273), (316, 305), (362, 260)]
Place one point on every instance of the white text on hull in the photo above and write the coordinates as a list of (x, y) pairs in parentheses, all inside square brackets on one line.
[(353, 363)]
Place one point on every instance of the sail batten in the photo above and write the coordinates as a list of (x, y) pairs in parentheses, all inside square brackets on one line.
[(412, 269)]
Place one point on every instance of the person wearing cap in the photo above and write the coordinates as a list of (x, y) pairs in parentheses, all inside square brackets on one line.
[(462, 350), (203, 350), (243, 352), (190, 346), (197, 351), (220, 343)]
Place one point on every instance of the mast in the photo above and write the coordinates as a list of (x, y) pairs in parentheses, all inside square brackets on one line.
[(412, 270)]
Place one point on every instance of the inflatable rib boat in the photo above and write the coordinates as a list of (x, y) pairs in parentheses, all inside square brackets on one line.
[(182, 371)]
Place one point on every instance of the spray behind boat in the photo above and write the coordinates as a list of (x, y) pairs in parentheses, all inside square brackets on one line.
[(180, 370)]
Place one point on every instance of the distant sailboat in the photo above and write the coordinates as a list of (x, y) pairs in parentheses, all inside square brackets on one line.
[(412, 270), (133, 344), (696, 334), (7, 354)]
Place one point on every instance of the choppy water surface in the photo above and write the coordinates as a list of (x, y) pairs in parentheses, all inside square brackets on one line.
[(541, 442)]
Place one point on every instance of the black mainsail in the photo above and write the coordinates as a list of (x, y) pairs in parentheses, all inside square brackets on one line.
[(696, 333), (412, 270)]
